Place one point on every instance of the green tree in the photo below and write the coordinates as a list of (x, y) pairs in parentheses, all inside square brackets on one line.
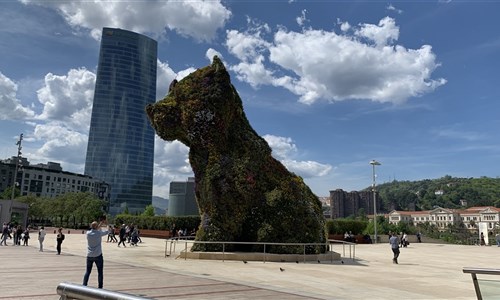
[(149, 211), (35, 206), (7, 193)]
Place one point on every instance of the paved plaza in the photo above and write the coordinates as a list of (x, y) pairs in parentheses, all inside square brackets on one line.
[(425, 271)]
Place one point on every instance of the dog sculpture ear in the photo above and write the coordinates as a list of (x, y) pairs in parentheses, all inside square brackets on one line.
[(172, 85), (217, 64)]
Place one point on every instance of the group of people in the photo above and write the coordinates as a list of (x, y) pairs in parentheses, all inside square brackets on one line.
[(94, 239), (128, 233), (16, 233), (178, 233), (349, 237)]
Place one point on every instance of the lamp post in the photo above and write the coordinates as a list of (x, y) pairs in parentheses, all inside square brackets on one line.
[(16, 169), (374, 163)]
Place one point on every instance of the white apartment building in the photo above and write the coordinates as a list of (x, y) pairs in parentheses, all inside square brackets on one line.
[(442, 217)]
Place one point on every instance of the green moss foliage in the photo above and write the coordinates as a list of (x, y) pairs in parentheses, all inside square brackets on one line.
[(243, 193)]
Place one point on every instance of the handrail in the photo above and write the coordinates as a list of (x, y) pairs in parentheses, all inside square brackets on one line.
[(328, 243), (352, 246), (482, 271), (69, 291)]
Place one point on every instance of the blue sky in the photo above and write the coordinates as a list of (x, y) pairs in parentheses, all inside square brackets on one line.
[(330, 85)]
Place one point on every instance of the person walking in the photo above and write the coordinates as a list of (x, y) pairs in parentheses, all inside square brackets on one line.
[(26, 237), (19, 235), (41, 237), (123, 236), (5, 235), (59, 239), (111, 235), (404, 240), (94, 252), (394, 242)]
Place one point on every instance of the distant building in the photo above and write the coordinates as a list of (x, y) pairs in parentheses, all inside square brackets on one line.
[(325, 204), (49, 180), (182, 200), (42, 180), (344, 204), (121, 140), (444, 217)]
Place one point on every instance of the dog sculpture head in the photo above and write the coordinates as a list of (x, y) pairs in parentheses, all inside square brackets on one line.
[(199, 109)]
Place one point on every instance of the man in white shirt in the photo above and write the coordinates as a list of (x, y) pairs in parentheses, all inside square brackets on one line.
[(41, 237), (94, 252)]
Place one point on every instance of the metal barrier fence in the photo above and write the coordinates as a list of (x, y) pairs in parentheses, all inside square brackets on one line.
[(190, 240), (69, 291), (491, 289)]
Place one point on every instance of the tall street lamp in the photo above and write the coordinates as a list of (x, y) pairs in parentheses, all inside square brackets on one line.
[(374, 163), (16, 169)]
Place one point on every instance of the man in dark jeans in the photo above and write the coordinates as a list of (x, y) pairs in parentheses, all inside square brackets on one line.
[(123, 235), (394, 242), (94, 252)]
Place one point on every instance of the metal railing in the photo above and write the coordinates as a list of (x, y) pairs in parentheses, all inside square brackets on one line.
[(328, 244), (69, 291), (491, 288), (173, 242), (352, 247)]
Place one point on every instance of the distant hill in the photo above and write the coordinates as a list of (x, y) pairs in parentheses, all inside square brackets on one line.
[(160, 202), (449, 192)]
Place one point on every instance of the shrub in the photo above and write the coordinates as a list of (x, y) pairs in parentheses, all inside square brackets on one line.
[(340, 226)]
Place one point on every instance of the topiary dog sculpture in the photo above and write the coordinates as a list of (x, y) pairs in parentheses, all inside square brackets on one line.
[(243, 193)]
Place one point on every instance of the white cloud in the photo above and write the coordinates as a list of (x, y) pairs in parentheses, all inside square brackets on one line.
[(302, 19), (184, 73), (60, 144), (332, 67), (68, 98), (197, 19), (254, 73), (385, 32), (283, 147), (246, 46), (211, 53), (307, 169), (284, 150), (171, 163), (11, 107), (345, 26), (393, 8), (164, 76)]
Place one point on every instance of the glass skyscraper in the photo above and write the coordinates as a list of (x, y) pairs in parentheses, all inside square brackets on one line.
[(120, 149)]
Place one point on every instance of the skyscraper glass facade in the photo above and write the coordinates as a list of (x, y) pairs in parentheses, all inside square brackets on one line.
[(120, 149)]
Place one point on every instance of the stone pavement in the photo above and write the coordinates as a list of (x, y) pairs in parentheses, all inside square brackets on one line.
[(425, 271)]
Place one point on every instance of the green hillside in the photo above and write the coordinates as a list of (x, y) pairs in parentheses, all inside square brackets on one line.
[(421, 195)]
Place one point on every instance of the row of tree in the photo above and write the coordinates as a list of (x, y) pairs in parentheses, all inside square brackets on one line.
[(70, 209), (421, 195)]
